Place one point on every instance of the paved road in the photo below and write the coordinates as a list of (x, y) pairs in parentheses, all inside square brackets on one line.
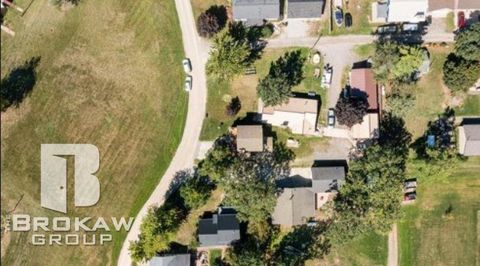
[(393, 247), (197, 50)]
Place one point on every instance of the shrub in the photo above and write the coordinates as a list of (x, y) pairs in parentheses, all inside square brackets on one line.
[(460, 74), (233, 107)]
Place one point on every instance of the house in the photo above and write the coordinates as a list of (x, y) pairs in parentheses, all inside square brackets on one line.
[(363, 84), (368, 129), (170, 260), (297, 114), (295, 206), (326, 182), (441, 8), (395, 11), (469, 139), (250, 138), (255, 12), (305, 9), (218, 229)]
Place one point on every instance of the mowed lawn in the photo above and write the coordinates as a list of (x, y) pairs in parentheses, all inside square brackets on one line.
[(110, 75), (245, 87), (441, 228)]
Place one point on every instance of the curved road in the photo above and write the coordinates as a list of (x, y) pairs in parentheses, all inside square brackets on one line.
[(197, 50)]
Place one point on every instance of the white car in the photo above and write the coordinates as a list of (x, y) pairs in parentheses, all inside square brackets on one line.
[(331, 118), (188, 83), (187, 66), (327, 75)]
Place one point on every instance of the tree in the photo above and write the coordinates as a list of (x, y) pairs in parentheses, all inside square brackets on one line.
[(399, 103), (350, 110), (233, 107), (156, 233), (411, 59), (274, 90), (460, 74), (284, 73), (230, 53), (468, 43), (219, 158), (207, 25), (248, 252), (384, 60), (195, 191)]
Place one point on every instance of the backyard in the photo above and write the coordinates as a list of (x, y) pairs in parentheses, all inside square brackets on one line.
[(108, 74), (441, 228)]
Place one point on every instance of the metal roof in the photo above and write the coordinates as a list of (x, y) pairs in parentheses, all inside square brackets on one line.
[(305, 8), (471, 133), (170, 260), (255, 11)]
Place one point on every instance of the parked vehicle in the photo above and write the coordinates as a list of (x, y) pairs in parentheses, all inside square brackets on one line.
[(348, 20), (331, 118), (387, 29), (410, 184), (327, 75), (461, 20), (409, 197), (188, 83), (410, 27), (187, 66), (338, 16)]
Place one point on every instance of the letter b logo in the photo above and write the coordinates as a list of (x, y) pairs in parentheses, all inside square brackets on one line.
[(53, 191)]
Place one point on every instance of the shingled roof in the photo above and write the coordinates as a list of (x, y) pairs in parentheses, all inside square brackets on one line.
[(219, 229), (250, 138), (305, 8), (327, 178), (255, 11), (469, 140), (294, 207)]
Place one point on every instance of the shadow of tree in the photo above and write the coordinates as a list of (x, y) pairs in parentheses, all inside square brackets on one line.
[(394, 134), (16, 86)]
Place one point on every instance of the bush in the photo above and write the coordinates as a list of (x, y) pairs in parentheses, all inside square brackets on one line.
[(196, 191), (399, 103), (267, 30), (468, 43), (460, 74), (233, 107), (207, 25)]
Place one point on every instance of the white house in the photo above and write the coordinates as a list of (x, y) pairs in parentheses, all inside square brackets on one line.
[(298, 114), (395, 11)]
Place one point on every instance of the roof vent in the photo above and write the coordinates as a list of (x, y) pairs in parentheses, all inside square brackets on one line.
[(215, 219)]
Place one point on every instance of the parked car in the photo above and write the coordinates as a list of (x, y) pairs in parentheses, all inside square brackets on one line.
[(327, 75), (187, 66), (188, 83), (348, 20), (409, 197), (410, 183), (461, 20), (331, 118), (410, 27), (387, 29), (338, 17)]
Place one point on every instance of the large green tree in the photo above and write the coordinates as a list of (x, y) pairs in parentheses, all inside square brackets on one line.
[(468, 42), (384, 60), (230, 54), (460, 74), (219, 158), (195, 191), (411, 58), (350, 110)]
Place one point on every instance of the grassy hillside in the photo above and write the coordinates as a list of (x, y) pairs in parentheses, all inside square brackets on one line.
[(109, 74)]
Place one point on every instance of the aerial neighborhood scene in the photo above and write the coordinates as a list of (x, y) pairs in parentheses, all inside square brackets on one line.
[(240, 132)]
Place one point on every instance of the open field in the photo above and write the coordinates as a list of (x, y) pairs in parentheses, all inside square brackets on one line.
[(109, 74), (441, 227), (245, 87)]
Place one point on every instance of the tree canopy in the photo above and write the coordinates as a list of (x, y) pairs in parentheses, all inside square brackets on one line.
[(350, 110), (468, 42), (460, 74)]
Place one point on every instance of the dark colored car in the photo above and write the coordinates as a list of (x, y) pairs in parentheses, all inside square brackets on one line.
[(338, 17), (348, 20), (461, 19)]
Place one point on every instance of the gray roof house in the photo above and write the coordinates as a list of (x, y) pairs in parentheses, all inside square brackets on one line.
[(295, 206), (327, 178), (305, 9), (469, 140), (219, 229), (255, 12), (170, 260)]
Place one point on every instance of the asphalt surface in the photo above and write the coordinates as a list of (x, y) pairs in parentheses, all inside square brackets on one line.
[(197, 50)]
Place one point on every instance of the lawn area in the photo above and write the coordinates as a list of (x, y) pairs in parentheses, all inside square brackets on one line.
[(471, 106), (368, 250), (245, 87), (429, 95), (215, 255), (110, 75), (441, 227), (199, 6)]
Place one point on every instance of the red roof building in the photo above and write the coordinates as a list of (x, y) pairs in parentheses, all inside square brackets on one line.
[(362, 83)]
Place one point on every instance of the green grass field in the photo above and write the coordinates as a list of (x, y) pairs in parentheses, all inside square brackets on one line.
[(245, 87), (441, 227), (110, 75), (471, 106)]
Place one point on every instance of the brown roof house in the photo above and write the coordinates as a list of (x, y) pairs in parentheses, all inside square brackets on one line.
[(298, 114), (363, 84), (250, 138), (295, 206), (469, 140)]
